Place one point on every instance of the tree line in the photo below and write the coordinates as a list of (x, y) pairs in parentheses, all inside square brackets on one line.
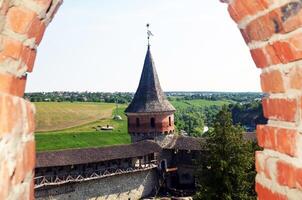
[(193, 119)]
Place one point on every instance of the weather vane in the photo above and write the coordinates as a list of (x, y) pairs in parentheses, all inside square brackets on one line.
[(149, 33)]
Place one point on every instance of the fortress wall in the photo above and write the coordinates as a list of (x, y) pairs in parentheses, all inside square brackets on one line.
[(133, 185)]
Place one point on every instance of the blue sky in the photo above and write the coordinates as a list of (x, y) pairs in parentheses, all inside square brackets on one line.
[(99, 45)]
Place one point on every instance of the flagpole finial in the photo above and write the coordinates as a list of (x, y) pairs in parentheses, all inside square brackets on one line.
[(149, 33)]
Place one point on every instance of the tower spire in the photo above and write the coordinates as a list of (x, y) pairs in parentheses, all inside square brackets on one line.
[(149, 33), (149, 96)]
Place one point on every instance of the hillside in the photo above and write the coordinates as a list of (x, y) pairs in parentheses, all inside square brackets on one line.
[(85, 135), (53, 116)]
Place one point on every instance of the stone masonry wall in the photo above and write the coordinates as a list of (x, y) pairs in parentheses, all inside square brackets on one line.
[(127, 186), (272, 30), (22, 24)]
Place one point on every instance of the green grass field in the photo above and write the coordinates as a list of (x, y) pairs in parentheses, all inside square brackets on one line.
[(70, 125), (85, 135), (198, 103), (53, 116)]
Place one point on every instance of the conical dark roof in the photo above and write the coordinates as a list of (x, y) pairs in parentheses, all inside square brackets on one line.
[(149, 96)]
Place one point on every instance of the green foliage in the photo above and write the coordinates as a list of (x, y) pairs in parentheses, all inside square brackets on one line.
[(226, 170), (248, 114), (119, 97), (190, 121), (192, 115)]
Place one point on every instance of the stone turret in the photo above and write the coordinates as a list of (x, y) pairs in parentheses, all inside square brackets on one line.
[(150, 114)]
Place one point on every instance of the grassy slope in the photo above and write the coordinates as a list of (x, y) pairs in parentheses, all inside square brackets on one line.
[(57, 116), (85, 136)]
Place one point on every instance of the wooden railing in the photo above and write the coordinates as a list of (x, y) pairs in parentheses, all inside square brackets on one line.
[(42, 181)]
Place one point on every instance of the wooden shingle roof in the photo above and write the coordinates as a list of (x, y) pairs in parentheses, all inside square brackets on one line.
[(149, 96), (92, 155)]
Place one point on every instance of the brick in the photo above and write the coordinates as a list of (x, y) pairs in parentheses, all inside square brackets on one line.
[(239, 9), (259, 58), (262, 28), (291, 18), (289, 50), (272, 57), (25, 162), (286, 174), (264, 57), (272, 82), (20, 19), (10, 114), (283, 51), (280, 109), (283, 20), (16, 50), (245, 36), (36, 30), (29, 57), (299, 178), (11, 48), (266, 194), (12, 85), (266, 136), (295, 78), (287, 141)]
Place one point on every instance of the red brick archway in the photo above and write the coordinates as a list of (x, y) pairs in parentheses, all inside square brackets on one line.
[(22, 25), (271, 28)]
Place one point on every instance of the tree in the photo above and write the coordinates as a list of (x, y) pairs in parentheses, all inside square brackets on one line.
[(226, 169), (190, 120)]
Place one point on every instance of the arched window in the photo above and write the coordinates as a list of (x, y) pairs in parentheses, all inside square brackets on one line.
[(170, 122), (137, 122), (153, 122)]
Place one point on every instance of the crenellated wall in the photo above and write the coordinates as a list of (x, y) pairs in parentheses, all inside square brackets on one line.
[(22, 25), (272, 30)]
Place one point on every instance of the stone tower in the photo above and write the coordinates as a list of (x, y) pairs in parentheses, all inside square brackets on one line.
[(150, 114)]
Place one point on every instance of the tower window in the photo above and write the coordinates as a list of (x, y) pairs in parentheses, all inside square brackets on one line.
[(153, 122), (137, 122), (170, 122)]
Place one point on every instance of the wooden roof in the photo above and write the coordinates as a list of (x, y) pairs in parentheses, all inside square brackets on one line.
[(149, 96), (185, 143), (92, 155)]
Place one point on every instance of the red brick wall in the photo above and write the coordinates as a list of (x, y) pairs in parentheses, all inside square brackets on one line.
[(22, 25), (272, 30), (161, 123)]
